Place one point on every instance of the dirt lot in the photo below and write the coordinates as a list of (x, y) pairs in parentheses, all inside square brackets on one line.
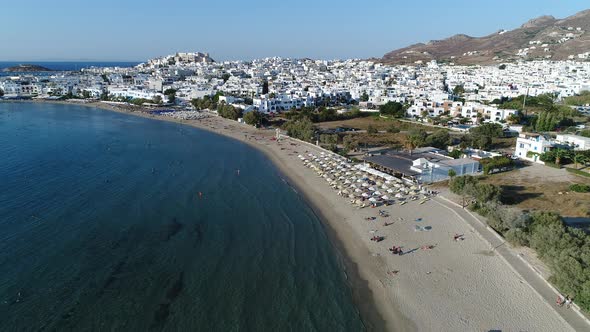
[(539, 187), (375, 121)]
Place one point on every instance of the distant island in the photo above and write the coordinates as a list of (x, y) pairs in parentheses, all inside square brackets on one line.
[(25, 68)]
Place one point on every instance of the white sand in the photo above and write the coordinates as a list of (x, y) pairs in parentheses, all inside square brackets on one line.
[(457, 286)]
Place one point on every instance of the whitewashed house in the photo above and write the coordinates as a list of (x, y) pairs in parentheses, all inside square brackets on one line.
[(529, 146), (578, 143)]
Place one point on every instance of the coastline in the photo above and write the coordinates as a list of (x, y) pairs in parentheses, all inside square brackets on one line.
[(376, 314), (465, 288)]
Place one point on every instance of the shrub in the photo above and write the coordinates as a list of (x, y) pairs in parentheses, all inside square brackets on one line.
[(517, 237), (458, 184), (393, 129), (372, 130), (580, 188)]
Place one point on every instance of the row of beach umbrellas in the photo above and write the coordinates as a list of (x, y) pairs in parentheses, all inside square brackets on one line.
[(363, 185)]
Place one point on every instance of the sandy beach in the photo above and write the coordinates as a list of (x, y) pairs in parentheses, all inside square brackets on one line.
[(455, 286)]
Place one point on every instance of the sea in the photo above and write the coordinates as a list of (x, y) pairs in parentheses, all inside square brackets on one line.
[(110, 222), (61, 66)]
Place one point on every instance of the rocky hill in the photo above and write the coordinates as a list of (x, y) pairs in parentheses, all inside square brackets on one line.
[(25, 69), (544, 37)]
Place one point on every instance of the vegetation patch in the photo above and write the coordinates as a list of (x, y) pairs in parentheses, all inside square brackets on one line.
[(580, 188)]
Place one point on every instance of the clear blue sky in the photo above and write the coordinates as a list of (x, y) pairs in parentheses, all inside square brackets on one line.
[(136, 30)]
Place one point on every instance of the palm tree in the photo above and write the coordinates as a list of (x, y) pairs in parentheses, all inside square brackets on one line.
[(580, 158), (561, 154), (410, 145)]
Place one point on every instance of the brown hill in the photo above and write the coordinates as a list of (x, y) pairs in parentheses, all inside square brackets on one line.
[(544, 37)]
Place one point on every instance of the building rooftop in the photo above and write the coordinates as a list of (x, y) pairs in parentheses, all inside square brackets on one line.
[(399, 163)]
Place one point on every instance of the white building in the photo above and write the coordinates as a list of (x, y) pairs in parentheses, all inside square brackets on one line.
[(536, 144), (579, 143), (434, 166)]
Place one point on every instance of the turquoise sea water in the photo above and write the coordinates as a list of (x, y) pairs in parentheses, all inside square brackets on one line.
[(102, 229)]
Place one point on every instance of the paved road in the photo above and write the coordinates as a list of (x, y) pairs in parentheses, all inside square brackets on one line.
[(576, 320)]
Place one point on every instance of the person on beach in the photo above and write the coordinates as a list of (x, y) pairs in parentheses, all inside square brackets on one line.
[(568, 302)]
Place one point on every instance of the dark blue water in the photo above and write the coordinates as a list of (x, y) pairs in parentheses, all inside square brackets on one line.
[(102, 228), (69, 65)]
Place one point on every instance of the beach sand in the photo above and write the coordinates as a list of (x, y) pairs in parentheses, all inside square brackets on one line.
[(456, 286)]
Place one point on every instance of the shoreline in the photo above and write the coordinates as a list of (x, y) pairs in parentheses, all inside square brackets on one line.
[(371, 310), (459, 285)]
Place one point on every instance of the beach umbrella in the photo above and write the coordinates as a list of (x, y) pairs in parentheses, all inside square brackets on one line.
[(399, 195), (365, 195), (372, 199), (385, 197), (390, 191), (371, 189), (377, 192)]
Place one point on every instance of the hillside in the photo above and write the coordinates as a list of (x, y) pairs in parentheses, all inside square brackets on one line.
[(544, 37)]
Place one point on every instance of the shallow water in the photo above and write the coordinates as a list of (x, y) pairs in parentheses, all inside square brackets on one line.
[(102, 228)]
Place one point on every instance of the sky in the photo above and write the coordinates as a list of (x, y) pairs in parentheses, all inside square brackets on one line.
[(134, 30)]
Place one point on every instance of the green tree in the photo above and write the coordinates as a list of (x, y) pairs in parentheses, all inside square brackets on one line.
[(265, 87), (365, 96), (415, 138), (86, 94), (452, 173), (253, 118), (217, 95), (580, 158), (302, 129), (562, 155), (458, 90), (456, 153), (482, 136), (372, 130), (1, 93), (170, 95), (228, 111), (439, 139), (500, 163), (395, 109), (225, 77), (157, 99)]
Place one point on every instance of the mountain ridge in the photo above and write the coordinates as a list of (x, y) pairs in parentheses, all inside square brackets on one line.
[(543, 37)]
